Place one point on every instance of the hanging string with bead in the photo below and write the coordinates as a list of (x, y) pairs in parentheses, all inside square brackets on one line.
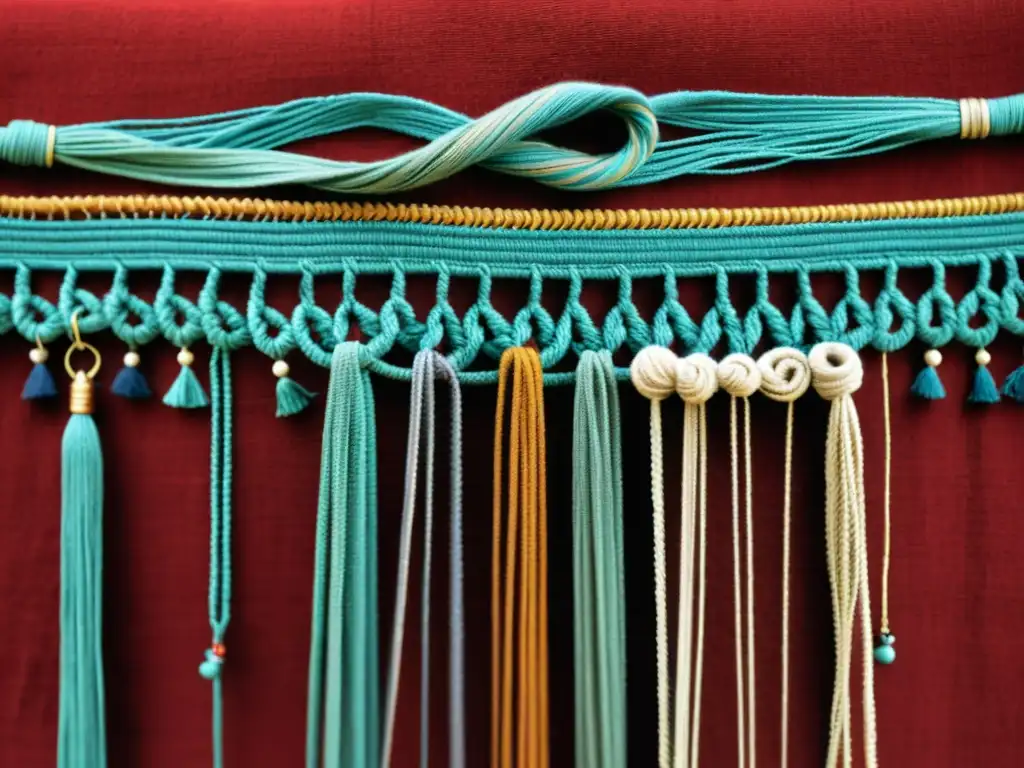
[(884, 652), (785, 377)]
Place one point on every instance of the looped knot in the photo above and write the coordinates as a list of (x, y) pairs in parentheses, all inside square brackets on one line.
[(739, 375), (785, 374), (836, 370), (213, 661), (653, 372), (26, 142), (696, 378)]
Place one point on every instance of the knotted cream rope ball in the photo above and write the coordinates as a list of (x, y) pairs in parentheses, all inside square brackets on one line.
[(836, 369), (653, 372), (739, 375), (696, 378), (785, 374)]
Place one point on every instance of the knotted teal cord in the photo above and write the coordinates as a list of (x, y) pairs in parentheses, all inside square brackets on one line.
[(739, 133), (343, 715), (219, 603), (429, 365), (599, 603)]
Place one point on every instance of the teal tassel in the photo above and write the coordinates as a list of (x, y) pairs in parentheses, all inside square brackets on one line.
[(39, 384), (292, 397), (984, 389), (130, 383), (81, 724), (186, 391), (1014, 385), (928, 385)]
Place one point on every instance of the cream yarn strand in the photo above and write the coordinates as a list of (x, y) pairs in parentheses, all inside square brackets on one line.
[(785, 376), (696, 382), (653, 374), (739, 375), (836, 374)]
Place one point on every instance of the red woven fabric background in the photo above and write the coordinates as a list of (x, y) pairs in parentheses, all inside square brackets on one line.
[(953, 696)]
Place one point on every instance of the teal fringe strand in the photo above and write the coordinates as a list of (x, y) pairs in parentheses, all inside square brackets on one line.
[(343, 708), (599, 601), (928, 385), (292, 397), (983, 391), (186, 391), (1013, 387), (81, 729)]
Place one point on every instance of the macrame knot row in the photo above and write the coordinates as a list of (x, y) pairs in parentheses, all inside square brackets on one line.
[(836, 370), (656, 372)]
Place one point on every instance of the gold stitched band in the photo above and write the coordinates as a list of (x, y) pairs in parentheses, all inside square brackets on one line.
[(974, 119), (497, 218)]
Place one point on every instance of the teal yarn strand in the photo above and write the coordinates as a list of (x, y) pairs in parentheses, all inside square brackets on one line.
[(599, 610), (81, 729), (219, 597), (343, 708), (737, 133)]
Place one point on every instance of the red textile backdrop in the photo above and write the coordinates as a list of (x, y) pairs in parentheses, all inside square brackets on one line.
[(953, 696)]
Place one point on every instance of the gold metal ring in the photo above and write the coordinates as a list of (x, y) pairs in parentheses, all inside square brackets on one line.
[(77, 345)]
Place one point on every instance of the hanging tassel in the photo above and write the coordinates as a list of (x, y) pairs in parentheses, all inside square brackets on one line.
[(292, 397), (129, 381), (983, 391), (837, 373), (519, 639), (40, 383), (1013, 387), (81, 726), (186, 391), (599, 601), (927, 384), (343, 712)]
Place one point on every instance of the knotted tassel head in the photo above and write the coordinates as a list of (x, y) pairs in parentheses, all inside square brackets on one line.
[(836, 370), (653, 372), (696, 378), (739, 375), (785, 374)]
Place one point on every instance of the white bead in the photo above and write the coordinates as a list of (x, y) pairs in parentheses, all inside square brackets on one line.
[(982, 357), (281, 369), (132, 359), (185, 357), (933, 358), (39, 355)]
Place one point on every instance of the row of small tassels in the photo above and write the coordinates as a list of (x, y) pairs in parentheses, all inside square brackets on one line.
[(185, 392)]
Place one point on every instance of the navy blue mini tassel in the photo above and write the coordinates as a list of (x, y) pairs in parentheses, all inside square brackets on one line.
[(1013, 387), (129, 381), (40, 383)]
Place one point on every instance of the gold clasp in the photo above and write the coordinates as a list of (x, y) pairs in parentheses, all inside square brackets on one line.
[(77, 345)]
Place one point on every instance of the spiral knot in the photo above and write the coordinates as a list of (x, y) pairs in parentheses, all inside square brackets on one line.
[(696, 378), (653, 372), (739, 375), (836, 370), (785, 374), (26, 142)]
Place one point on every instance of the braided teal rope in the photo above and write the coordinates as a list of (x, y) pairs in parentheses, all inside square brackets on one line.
[(343, 715), (599, 601), (325, 253), (741, 133)]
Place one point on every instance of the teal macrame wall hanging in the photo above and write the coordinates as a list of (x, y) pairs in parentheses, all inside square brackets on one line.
[(665, 350)]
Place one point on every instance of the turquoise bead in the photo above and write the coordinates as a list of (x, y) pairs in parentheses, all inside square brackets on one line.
[(885, 654), (210, 669)]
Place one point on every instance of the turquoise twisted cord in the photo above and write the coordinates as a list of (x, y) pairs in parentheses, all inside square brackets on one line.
[(476, 337), (599, 601), (738, 133), (343, 708)]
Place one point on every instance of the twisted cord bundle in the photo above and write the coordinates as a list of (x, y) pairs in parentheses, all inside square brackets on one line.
[(738, 133)]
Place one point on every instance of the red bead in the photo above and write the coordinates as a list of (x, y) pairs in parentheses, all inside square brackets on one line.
[(219, 650)]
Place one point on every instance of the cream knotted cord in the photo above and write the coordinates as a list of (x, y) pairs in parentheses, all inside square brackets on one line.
[(739, 375), (836, 374), (785, 376)]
